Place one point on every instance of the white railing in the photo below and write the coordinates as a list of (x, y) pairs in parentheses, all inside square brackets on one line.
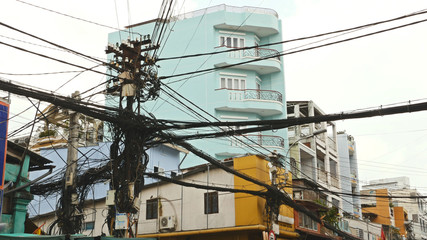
[(227, 8)]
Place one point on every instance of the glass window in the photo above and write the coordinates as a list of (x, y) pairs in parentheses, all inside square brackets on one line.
[(228, 41), (89, 225), (222, 41), (236, 84), (152, 206), (223, 83), (242, 84), (242, 42), (211, 202), (229, 83), (235, 42)]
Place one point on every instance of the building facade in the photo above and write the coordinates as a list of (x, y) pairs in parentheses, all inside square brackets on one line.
[(168, 211), (349, 174), (416, 208), (313, 151), (247, 91)]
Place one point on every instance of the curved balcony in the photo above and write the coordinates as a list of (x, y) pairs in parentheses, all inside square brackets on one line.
[(266, 66), (261, 53), (262, 102), (257, 139)]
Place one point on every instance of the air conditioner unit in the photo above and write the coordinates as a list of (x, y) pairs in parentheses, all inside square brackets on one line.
[(167, 223)]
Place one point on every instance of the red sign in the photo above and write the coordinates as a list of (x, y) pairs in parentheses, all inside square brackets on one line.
[(271, 235)]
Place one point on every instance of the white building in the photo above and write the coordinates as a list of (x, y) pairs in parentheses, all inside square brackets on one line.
[(416, 207), (314, 157), (349, 174)]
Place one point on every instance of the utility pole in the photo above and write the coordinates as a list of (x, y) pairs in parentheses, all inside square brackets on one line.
[(273, 205), (136, 82), (69, 197)]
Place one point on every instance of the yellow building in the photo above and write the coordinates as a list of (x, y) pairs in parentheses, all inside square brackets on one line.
[(234, 216), (379, 209)]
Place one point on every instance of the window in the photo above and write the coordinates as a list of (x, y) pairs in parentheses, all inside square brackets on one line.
[(336, 203), (152, 206), (89, 226), (360, 233), (232, 42), (306, 222), (233, 83), (211, 202)]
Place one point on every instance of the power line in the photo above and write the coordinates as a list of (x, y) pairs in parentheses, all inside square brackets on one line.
[(204, 71), (302, 38), (67, 15)]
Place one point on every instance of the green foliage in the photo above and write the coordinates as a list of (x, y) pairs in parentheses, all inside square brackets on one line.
[(331, 216), (47, 133)]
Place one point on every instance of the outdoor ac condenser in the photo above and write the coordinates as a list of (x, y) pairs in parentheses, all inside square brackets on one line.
[(167, 223)]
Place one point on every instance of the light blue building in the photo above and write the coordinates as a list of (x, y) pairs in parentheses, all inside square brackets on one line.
[(164, 159), (349, 173), (251, 91)]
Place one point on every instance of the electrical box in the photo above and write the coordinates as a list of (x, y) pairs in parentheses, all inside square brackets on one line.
[(69, 179), (109, 200), (121, 222), (74, 199)]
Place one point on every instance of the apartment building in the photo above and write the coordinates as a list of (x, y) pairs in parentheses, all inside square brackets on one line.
[(313, 150), (249, 91), (380, 209), (349, 174), (416, 208)]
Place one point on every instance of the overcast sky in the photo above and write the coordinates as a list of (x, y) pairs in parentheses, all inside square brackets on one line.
[(377, 70)]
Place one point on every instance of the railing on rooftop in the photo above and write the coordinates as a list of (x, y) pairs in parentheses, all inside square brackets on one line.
[(224, 7)]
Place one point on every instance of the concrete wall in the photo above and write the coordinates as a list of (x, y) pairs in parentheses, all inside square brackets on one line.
[(187, 204)]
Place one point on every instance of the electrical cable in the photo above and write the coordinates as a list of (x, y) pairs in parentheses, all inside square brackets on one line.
[(204, 71), (301, 38)]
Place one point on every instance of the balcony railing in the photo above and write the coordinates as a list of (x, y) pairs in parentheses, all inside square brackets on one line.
[(322, 176), (253, 94), (253, 53), (263, 140), (263, 95), (261, 53), (335, 182)]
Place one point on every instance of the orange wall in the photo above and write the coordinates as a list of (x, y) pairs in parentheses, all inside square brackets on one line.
[(399, 219), (249, 209), (382, 208)]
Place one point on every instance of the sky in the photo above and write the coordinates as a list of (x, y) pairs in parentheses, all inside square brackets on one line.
[(375, 71)]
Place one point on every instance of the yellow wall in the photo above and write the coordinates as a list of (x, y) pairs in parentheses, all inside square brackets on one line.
[(399, 219), (249, 209), (382, 208)]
